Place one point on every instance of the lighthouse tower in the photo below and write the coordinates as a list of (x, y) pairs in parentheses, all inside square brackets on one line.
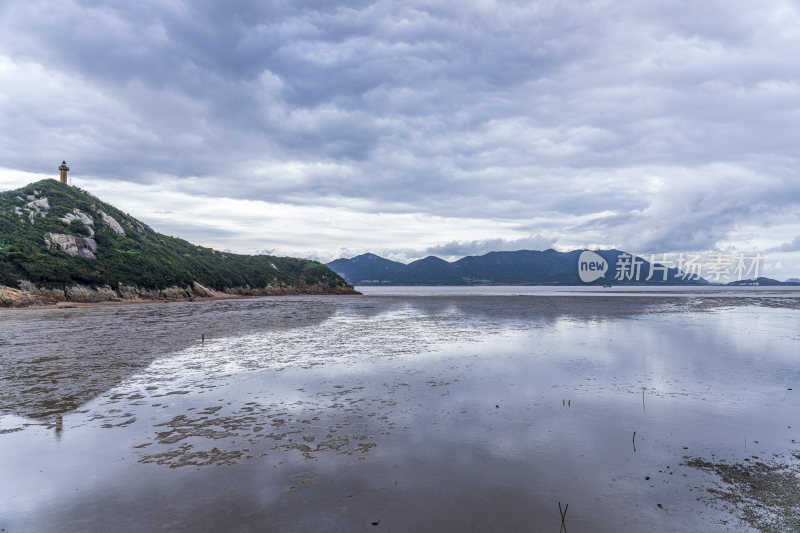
[(64, 169)]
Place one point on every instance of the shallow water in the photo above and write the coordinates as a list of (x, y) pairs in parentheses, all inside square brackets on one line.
[(424, 409)]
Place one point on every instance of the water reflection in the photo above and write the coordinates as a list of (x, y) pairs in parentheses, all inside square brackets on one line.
[(449, 414), (58, 426)]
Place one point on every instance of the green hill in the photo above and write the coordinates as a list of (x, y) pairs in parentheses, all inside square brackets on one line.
[(60, 240)]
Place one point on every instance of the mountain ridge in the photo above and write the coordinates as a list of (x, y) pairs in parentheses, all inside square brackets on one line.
[(765, 282), (520, 267)]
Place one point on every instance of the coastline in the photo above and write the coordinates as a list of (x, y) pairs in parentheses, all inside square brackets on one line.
[(78, 296)]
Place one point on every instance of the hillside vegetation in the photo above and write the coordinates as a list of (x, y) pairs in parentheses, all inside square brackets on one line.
[(53, 235)]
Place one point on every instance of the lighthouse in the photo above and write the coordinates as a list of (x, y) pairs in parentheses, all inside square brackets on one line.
[(64, 169)]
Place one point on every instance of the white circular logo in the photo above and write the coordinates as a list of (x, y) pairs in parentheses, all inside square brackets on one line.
[(591, 266)]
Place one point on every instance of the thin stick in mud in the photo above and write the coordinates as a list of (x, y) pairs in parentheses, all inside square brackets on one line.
[(563, 517)]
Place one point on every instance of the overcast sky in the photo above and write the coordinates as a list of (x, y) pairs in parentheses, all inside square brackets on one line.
[(407, 128)]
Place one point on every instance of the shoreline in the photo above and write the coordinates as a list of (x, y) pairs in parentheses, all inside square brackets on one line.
[(79, 305), (17, 299)]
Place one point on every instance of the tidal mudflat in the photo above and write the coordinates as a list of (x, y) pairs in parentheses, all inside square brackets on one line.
[(439, 409)]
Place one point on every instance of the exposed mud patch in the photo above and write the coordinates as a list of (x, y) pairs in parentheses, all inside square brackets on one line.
[(210, 438), (765, 495), (186, 455)]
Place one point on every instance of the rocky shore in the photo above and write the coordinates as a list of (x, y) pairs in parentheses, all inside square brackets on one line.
[(30, 295)]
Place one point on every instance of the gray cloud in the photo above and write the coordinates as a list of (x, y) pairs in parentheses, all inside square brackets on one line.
[(650, 126), (480, 247), (792, 246)]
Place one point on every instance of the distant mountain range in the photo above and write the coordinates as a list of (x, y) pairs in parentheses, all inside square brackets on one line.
[(766, 282), (523, 267)]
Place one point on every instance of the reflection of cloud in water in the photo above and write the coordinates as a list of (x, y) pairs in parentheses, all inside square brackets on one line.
[(267, 414), (457, 400)]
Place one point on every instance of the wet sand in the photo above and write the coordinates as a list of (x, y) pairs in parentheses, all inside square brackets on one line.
[(29, 301), (421, 412), (138, 301)]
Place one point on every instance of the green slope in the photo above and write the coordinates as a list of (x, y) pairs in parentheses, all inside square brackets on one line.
[(32, 215)]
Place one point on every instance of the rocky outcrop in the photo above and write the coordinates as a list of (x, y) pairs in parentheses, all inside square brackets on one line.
[(84, 294), (127, 292), (111, 223), (34, 208), (77, 214), (81, 217), (29, 295), (199, 290), (15, 297), (176, 293), (72, 245), (42, 293), (288, 290)]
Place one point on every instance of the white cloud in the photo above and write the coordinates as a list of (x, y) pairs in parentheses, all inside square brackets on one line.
[(457, 249)]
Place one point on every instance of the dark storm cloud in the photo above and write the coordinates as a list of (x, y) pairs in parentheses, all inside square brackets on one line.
[(657, 125)]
